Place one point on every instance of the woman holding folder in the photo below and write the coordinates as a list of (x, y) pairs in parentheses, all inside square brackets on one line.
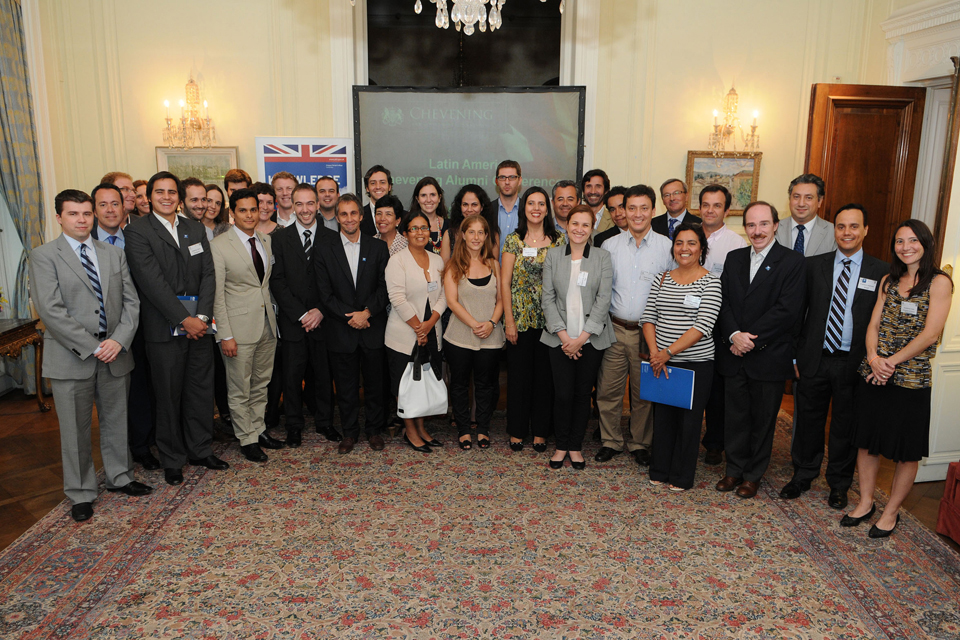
[(577, 285), (678, 326)]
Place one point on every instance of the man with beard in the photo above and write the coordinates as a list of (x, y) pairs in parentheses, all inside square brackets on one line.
[(593, 187), (195, 199), (378, 182), (566, 196), (328, 192), (509, 181), (763, 288), (674, 194)]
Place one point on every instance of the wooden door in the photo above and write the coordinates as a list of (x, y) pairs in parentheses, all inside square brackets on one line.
[(864, 141)]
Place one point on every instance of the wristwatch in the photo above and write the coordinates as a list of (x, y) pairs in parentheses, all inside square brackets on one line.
[(203, 318)]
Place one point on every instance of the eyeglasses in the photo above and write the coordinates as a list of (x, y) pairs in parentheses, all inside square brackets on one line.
[(674, 194), (127, 190), (422, 228), (507, 178)]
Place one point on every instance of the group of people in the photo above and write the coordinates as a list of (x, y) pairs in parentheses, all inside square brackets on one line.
[(245, 294)]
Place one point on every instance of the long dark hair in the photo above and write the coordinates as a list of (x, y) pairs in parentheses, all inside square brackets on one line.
[(456, 211), (548, 228), (415, 204), (926, 271), (222, 216)]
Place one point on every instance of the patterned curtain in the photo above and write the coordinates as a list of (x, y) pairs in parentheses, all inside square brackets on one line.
[(19, 163)]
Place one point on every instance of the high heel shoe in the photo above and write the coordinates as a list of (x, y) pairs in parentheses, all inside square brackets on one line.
[(433, 443), (853, 521), (877, 532), (539, 447), (516, 446), (422, 448), (466, 445)]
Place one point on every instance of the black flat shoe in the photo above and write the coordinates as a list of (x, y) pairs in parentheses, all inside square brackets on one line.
[(210, 462), (483, 443), (579, 466), (556, 464), (516, 446), (877, 532), (133, 488), (173, 476), (852, 521), (81, 511), (466, 445), (539, 447), (424, 448)]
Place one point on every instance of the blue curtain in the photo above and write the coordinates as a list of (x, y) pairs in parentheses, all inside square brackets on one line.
[(20, 182)]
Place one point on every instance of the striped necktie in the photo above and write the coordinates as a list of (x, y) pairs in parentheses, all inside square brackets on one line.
[(306, 243), (837, 310), (95, 283)]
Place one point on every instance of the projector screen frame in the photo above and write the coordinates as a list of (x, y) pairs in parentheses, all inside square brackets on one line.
[(358, 89)]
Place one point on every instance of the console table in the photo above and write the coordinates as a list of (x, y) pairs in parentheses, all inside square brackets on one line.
[(14, 336)]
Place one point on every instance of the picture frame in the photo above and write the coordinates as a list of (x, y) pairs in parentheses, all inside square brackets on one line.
[(738, 172), (208, 165)]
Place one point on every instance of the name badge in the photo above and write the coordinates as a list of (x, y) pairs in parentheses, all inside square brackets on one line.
[(717, 268), (195, 249), (432, 286), (273, 260), (909, 308), (691, 301), (647, 276), (867, 284), (529, 252), (582, 279)]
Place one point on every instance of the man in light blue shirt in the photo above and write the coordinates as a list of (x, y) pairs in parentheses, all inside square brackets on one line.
[(638, 257), (108, 208), (508, 181)]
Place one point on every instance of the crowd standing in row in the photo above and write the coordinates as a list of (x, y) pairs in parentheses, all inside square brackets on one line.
[(309, 294)]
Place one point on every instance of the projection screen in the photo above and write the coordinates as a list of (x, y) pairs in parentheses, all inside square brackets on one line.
[(459, 136)]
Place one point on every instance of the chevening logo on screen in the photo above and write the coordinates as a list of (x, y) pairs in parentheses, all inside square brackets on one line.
[(392, 116)]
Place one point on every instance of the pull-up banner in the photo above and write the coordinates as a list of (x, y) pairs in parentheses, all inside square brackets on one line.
[(307, 158)]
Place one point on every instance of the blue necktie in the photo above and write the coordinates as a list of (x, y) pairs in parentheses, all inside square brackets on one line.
[(672, 223), (837, 309), (798, 245), (112, 240), (95, 283)]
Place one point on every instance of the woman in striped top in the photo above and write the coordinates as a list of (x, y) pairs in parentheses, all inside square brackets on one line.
[(678, 327)]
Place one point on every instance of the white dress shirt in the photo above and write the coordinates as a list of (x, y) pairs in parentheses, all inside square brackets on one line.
[(312, 230), (719, 244), (756, 259), (171, 228), (352, 249), (634, 270), (245, 239), (289, 221)]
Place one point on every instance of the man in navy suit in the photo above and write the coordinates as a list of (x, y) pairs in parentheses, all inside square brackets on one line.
[(763, 288), (353, 294)]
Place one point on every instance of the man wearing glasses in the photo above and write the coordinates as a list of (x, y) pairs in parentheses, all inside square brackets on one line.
[(509, 181), (674, 194)]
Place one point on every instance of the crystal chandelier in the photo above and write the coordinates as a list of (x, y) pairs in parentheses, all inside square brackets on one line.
[(467, 13), (725, 134), (190, 130)]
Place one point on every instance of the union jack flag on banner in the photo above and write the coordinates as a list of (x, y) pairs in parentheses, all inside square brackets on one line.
[(308, 159)]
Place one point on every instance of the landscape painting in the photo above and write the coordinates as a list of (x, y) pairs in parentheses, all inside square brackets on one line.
[(740, 174)]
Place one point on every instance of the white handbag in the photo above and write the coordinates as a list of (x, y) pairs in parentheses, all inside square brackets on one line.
[(422, 392)]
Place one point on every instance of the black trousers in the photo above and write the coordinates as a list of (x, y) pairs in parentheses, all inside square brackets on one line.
[(529, 386), (676, 431), (713, 414), (271, 417), (141, 418), (220, 384), (182, 373), (347, 368), (484, 364), (573, 381), (751, 419), (836, 379), (298, 358)]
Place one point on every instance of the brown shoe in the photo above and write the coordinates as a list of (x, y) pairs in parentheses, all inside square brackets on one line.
[(376, 442), (346, 445), (728, 483), (748, 489)]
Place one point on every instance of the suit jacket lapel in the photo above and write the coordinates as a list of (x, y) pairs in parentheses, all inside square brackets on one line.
[(162, 232), (243, 250), (766, 267), (103, 260), (73, 260), (341, 253)]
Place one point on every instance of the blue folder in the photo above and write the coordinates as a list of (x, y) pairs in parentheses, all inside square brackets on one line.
[(677, 391)]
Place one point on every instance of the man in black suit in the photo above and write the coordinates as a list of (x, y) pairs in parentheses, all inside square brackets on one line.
[(615, 206), (353, 296), (841, 293), (763, 288), (378, 183), (674, 195), (169, 258), (294, 287)]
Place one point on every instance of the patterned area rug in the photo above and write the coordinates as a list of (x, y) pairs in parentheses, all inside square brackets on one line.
[(476, 544)]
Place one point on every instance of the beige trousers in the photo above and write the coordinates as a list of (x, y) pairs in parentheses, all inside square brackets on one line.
[(621, 360), (248, 374)]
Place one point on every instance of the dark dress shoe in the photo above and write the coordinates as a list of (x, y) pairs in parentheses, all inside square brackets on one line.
[(424, 448), (173, 476), (838, 498), (330, 434), (877, 532), (253, 452), (579, 466), (642, 456), (147, 461), (210, 462), (606, 454), (516, 446), (748, 489), (266, 442), (346, 446), (793, 490), (434, 443), (853, 521), (294, 439), (729, 483), (133, 488), (713, 457), (376, 442), (81, 511), (540, 447), (557, 464)]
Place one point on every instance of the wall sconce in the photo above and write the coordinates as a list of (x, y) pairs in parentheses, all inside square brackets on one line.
[(190, 130), (724, 134)]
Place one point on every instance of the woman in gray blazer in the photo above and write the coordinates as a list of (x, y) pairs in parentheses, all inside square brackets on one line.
[(577, 285)]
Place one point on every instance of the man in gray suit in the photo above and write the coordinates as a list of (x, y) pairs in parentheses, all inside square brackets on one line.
[(805, 231), (85, 296)]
